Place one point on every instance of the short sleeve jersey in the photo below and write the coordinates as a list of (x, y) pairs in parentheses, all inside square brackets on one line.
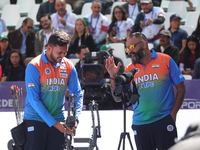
[(154, 82), (46, 85)]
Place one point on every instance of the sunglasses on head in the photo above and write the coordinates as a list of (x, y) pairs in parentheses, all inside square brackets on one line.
[(132, 46)]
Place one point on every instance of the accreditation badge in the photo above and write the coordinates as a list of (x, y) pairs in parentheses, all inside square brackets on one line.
[(148, 32)]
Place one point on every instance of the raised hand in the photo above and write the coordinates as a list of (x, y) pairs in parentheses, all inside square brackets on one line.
[(111, 67)]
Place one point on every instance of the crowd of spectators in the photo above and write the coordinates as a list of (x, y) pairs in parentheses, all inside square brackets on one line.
[(94, 30)]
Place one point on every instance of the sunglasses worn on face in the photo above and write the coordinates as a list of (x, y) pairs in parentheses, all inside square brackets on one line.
[(132, 46), (30, 27), (117, 12)]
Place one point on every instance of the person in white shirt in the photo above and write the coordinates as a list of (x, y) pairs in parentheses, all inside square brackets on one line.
[(98, 25), (120, 27), (132, 8), (62, 19), (150, 21), (42, 36)]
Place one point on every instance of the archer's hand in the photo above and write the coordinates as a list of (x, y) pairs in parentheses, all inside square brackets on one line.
[(72, 130), (61, 127)]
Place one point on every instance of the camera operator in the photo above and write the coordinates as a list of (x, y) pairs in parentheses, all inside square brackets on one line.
[(81, 51), (109, 49), (107, 102), (155, 112)]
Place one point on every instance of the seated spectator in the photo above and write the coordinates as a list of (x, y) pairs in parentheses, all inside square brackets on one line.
[(179, 36), (190, 54), (47, 7), (15, 67), (196, 71), (3, 27), (62, 19), (105, 4), (42, 36), (98, 25), (4, 51), (166, 47), (120, 27), (132, 8), (81, 37), (23, 38), (150, 21), (197, 30)]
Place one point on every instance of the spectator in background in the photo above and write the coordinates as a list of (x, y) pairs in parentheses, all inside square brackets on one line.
[(120, 27), (98, 25), (105, 4), (42, 36), (23, 38), (197, 30), (196, 71), (3, 27), (62, 19), (150, 21), (4, 51), (47, 7), (81, 37), (179, 36), (190, 54), (15, 67), (132, 8), (166, 47)]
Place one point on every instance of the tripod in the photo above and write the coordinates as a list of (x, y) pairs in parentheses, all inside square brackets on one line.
[(124, 134)]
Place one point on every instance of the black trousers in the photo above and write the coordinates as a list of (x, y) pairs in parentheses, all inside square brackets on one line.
[(39, 136), (160, 134)]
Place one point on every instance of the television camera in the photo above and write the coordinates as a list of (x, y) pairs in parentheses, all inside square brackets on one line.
[(92, 81)]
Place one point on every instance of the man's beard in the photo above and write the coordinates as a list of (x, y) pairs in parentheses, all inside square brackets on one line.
[(54, 59), (137, 56), (47, 27), (62, 12)]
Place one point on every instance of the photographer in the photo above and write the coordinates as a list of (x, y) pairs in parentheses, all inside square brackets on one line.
[(155, 112)]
